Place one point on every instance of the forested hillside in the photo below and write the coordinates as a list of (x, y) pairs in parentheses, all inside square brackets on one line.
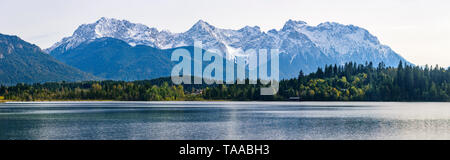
[(350, 82)]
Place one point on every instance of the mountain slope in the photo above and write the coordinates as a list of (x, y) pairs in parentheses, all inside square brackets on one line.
[(22, 62), (116, 60)]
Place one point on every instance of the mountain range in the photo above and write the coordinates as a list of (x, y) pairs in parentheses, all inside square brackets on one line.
[(301, 46), (121, 50)]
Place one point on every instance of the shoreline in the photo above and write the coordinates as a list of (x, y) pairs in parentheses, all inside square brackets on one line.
[(206, 101)]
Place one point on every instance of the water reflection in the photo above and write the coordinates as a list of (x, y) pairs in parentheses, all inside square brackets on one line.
[(225, 120)]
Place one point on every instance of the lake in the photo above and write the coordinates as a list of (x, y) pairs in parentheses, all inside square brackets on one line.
[(223, 120)]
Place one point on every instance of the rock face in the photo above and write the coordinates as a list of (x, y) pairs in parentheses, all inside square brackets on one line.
[(22, 62), (301, 46)]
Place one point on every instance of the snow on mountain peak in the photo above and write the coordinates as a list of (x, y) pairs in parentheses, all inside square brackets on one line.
[(248, 29), (202, 23), (293, 24), (201, 26)]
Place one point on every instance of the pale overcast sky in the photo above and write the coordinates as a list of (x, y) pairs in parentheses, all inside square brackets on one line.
[(419, 30)]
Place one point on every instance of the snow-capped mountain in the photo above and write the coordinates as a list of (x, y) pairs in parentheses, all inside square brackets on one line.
[(106, 27), (301, 45)]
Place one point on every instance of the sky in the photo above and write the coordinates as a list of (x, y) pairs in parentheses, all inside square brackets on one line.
[(419, 30)]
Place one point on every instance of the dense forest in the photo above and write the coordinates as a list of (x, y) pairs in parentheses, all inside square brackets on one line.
[(356, 82), (349, 82)]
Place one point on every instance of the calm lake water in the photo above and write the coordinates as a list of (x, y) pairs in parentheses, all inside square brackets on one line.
[(224, 120)]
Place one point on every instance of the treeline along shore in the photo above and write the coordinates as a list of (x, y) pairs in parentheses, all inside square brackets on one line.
[(348, 82)]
